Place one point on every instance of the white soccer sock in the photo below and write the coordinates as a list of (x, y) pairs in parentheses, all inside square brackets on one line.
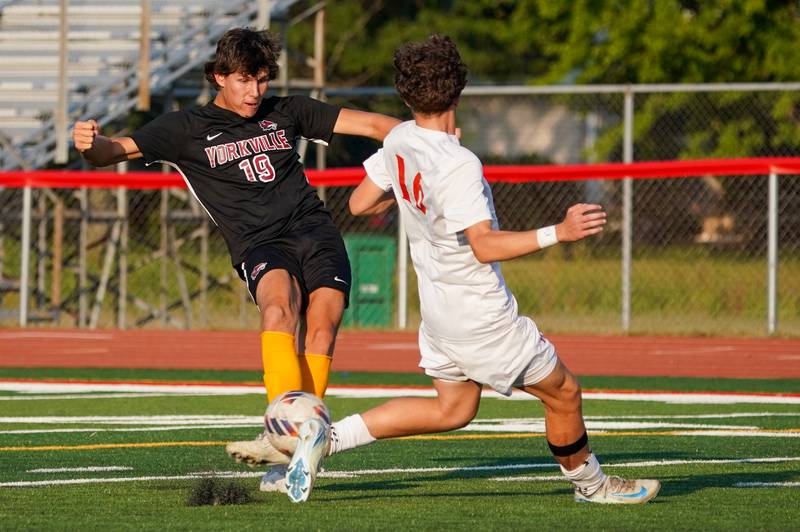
[(349, 433), (587, 477)]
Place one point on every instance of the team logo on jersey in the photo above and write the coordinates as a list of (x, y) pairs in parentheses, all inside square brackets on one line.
[(258, 269), (268, 125)]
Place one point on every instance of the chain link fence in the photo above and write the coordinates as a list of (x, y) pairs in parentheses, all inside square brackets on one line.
[(698, 261)]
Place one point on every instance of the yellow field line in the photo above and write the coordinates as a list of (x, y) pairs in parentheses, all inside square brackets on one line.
[(426, 437)]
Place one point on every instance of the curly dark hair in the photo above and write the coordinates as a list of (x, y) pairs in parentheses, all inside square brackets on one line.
[(244, 50), (429, 75)]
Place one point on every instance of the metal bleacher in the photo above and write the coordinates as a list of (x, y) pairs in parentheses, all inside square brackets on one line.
[(103, 53)]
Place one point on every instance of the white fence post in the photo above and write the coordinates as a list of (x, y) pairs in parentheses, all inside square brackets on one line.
[(772, 254), (627, 213), (62, 111), (25, 256)]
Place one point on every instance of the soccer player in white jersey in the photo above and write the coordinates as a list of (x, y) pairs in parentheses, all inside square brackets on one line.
[(471, 333)]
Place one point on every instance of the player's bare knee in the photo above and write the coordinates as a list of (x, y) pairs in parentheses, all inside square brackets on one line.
[(460, 420), (279, 316), (446, 422), (456, 415), (563, 397), (569, 394)]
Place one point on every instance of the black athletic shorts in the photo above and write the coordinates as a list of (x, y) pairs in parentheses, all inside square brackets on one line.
[(315, 255)]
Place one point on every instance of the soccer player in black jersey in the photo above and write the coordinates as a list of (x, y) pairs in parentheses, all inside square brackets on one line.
[(238, 157)]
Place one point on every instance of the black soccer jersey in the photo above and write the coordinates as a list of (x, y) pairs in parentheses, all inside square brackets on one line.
[(244, 171)]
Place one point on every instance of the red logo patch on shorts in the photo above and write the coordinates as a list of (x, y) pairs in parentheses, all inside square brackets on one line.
[(258, 269)]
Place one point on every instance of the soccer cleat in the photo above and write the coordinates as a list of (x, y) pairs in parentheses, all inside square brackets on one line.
[(257, 452), (312, 447), (274, 479), (616, 490)]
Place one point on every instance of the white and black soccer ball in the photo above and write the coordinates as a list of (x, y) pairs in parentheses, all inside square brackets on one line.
[(287, 412)]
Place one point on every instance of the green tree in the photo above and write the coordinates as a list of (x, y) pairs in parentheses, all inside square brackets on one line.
[(603, 41)]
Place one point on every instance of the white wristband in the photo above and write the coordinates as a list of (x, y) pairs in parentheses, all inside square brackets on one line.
[(547, 236)]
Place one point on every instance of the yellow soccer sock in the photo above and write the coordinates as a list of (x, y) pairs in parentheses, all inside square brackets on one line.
[(281, 365), (315, 370)]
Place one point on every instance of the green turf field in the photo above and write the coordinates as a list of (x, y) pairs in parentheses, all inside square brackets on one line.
[(106, 459)]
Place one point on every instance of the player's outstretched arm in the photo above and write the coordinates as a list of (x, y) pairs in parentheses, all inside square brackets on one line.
[(368, 198), (373, 125), (489, 245), (98, 150)]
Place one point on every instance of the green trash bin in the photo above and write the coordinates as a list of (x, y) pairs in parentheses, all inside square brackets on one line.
[(372, 259)]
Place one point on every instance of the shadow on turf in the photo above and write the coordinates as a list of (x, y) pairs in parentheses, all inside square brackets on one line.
[(672, 486), (686, 485), (606, 458)]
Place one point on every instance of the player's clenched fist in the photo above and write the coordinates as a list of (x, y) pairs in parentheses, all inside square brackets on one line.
[(582, 220), (83, 135)]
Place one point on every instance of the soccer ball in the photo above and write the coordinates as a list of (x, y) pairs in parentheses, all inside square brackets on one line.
[(287, 412)]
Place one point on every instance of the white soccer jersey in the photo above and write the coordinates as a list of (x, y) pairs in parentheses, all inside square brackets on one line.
[(441, 191)]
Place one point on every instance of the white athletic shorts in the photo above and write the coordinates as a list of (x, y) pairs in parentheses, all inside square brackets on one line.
[(519, 356)]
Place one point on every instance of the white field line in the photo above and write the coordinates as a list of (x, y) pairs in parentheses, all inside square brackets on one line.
[(656, 463), (476, 427), (73, 481), (136, 420), (767, 485), (90, 469), (154, 423), (538, 426), (740, 433), (730, 415), (695, 398), (492, 425), (77, 387), (538, 478), (392, 471), (385, 392), (509, 429), (141, 429)]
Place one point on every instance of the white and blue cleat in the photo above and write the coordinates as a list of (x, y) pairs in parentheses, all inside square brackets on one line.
[(312, 446), (616, 490), (274, 479)]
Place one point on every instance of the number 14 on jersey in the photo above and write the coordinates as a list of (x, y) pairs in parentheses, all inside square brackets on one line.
[(416, 186)]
